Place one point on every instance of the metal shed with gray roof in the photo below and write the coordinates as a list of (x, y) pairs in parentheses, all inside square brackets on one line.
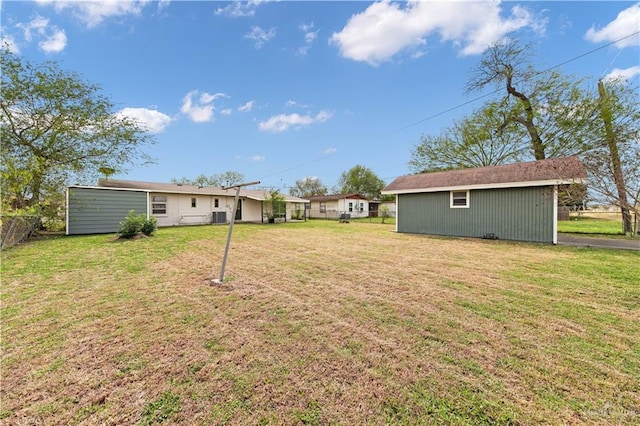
[(516, 201)]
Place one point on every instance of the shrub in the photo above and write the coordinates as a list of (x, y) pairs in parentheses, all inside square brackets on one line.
[(131, 225), (150, 226)]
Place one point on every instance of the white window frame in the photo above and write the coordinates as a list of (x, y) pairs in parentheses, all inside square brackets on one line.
[(458, 206), (194, 202), (157, 204)]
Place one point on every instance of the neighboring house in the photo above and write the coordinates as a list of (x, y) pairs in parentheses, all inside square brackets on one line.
[(338, 206), (100, 209), (511, 202)]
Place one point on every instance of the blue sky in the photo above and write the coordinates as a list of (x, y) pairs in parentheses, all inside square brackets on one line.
[(280, 91)]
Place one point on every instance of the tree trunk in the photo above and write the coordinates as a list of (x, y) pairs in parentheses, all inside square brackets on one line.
[(614, 156), (536, 141)]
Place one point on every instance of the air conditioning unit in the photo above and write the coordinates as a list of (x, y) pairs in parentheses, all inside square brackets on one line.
[(219, 217)]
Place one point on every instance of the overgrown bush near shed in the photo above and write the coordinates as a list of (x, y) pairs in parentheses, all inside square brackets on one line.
[(134, 225)]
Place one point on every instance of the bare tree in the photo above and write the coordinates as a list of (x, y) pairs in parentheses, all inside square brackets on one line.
[(614, 160)]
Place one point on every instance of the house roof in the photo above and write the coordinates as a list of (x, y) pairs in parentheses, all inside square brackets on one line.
[(553, 171), (334, 197), (174, 188)]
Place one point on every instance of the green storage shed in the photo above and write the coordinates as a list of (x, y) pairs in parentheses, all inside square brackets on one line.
[(95, 210), (512, 202)]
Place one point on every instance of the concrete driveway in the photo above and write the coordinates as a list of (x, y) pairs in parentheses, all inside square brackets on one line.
[(612, 243)]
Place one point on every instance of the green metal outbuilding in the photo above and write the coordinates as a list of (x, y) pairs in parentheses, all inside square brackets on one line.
[(512, 202), (95, 210)]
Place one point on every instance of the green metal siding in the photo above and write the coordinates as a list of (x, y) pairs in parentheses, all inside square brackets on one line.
[(521, 214), (99, 211)]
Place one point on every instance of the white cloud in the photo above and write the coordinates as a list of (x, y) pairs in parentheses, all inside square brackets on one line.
[(257, 158), (626, 23), (385, 29), (54, 43), (309, 37), (330, 150), (282, 122), (246, 107), (260, 36), (52, 39), (199, 107), (291, 103), (226, 111), (163, 4), (93, 13), (236, 9), (623, 74), (152, 120), (38, 25), (240, 8)]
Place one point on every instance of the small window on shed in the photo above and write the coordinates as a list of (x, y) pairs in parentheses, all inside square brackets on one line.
[(194, 202), (350, 207), (323, 207), (159, 204), (459, 199), (216, 203)]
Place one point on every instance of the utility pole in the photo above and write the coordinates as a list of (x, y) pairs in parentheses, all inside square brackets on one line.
[(231, 222), (614, 158)]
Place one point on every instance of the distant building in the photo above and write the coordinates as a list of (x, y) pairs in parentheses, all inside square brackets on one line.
[(337, 206)]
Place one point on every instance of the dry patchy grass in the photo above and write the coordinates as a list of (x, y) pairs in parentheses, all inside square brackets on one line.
[(318, 323)]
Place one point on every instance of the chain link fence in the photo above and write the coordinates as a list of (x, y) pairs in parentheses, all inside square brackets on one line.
[(16, 229)]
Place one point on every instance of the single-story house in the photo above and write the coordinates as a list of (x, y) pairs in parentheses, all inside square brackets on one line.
[(512, 202), (337, 206), (100, 209)]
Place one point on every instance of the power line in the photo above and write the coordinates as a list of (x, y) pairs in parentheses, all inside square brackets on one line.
[(500, 89), (464, 103)]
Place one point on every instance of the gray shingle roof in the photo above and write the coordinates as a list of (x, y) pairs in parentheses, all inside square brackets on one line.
[(256, 194), (534, 173), (333, 197)]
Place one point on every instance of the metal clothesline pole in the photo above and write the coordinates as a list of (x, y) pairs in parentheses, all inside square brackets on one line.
[(231, 222)]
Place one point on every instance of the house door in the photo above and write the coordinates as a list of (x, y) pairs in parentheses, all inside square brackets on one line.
[(239, 210)]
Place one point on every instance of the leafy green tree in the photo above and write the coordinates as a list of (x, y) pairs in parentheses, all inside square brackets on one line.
[(384, 212), (274, 205), (473, 141), (308, 187), (54, 126), (362, 180), (227, 178), (549, 106)]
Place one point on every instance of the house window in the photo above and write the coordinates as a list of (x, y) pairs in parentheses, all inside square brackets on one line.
[(216, 203), (323, 207), (361, 207), (159, 204), (350, 207), (194, 202), (459, 199)]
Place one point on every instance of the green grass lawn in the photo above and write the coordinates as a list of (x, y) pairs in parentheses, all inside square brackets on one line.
[(318, 323), (591, 225)]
